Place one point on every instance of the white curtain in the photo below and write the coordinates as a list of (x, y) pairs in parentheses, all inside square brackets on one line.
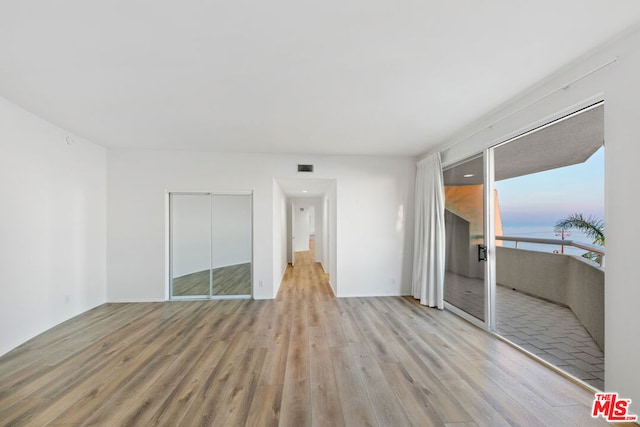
[(429, 243)]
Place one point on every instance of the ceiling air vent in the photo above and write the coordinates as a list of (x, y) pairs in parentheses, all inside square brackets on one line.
[(305, 168)]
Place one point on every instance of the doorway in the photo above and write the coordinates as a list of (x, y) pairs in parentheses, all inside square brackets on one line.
[(306, 227), (318, 200)]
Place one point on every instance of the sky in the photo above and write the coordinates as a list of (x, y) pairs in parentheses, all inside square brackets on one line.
[(540, 200)]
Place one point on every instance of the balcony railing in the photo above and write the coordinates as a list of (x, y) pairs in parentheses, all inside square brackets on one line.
[(557, 242)]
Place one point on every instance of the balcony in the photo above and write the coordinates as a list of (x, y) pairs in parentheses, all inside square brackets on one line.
[(550, 304)]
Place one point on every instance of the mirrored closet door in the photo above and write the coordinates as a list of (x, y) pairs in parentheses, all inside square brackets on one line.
[(210, 245)]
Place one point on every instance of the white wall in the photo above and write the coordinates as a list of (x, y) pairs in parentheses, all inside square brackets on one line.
[(331, 202), (52, 226), (279, 235), (619, 86), (326, 238), (374, 231), (372, 250), (312, 221)]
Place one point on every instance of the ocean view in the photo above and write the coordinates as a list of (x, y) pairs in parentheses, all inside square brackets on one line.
[(544, 232)]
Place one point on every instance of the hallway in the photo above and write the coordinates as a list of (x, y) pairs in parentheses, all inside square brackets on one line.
[(306, 279)]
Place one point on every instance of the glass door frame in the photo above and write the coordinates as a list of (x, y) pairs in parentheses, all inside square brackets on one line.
[(490, 308), (489, 322), (169, 251)]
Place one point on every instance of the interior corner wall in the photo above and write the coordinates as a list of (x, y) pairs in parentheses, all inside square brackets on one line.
[(371, 247), (617, 84), (52, 223), (324, 253), (280, 236), (318, 230), (331, 259)]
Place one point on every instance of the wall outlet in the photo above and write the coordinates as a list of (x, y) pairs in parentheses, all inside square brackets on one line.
[(260, 283), (67, 299)]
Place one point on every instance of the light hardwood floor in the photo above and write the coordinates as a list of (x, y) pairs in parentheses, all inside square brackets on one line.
[(303, 359), (231, 280)]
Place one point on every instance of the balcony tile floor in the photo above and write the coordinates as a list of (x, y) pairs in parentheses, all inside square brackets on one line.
[(550, 331)]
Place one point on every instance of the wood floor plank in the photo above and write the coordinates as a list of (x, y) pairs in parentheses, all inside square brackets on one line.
[(422, 345), (232, 406), (177, 396), (265, 407), (107, 409), (356, 408), (373, 330), (76, 371), (553, 389), (413, 400), (481, 411), (303, 359), (37, 350), (296, 393), (277, 353), (502, 402), (515, 388), (79, 399), (436, 394), (202, 409), (386, 407), (469, 424), (333, 327), (351, 330), (325, 400)]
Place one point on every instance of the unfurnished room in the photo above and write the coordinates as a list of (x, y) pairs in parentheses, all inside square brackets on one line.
[(330, 213)]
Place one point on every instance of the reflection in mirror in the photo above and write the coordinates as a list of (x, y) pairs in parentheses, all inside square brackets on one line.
[(191, 244), (231, 244), (464, 285)]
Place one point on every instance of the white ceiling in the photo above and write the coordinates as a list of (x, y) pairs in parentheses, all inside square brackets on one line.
[(305, 187), (295, 76)]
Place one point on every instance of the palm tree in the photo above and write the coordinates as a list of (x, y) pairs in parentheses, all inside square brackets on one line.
[(591, 226)]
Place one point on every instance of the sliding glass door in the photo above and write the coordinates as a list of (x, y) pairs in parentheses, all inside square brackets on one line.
[(210, 245), (468, 288), (527, 230), (550, 235)]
